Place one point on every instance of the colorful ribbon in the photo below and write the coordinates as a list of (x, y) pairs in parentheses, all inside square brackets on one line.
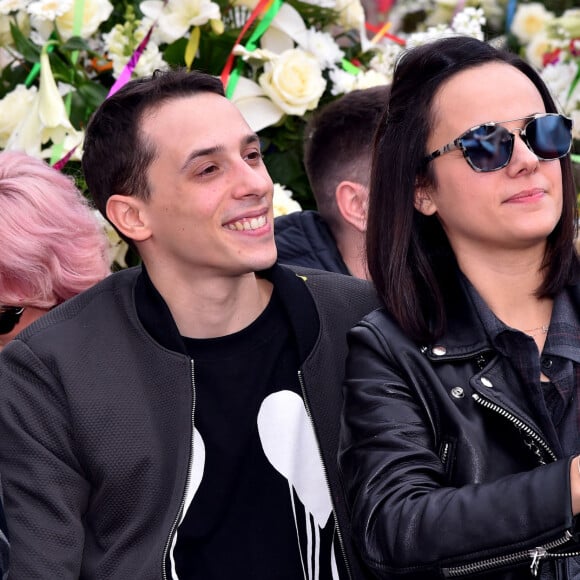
[(384, 33), (128, 69), (262, 7)]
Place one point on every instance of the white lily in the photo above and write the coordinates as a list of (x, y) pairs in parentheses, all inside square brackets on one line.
[(47, 119), (289, 21), (256, 108), (51, 110), (178, 16), (116, 246)]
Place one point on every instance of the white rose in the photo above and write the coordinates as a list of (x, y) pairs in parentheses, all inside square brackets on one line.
[(535, 50), (294, 82), (95, 12), (13, 108), (351, 14), (529, 20), (282, 202)]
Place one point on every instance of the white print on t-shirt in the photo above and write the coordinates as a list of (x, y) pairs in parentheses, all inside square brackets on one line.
[(195, 476), (289, 443)]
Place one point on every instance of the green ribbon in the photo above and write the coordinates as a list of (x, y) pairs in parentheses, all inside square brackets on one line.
[(349, 67), (252, 44), (79, 9)]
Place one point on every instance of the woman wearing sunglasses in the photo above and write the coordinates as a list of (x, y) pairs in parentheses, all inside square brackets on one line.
[(51, 245), (460, 439)]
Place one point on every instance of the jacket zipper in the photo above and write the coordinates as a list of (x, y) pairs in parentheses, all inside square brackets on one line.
[(338, 532), (535, 554), (173, 529), (517, 422), (444, 453)]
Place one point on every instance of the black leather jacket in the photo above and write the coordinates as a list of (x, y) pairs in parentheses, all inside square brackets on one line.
[(446, 471)]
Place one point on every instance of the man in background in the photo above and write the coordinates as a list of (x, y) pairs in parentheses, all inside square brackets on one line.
[(338, 143)]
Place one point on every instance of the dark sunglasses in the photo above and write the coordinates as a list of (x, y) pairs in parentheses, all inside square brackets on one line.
[(9, 317), (489, 147)]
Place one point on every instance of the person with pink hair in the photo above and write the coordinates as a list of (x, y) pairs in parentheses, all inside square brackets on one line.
[(52, 244)]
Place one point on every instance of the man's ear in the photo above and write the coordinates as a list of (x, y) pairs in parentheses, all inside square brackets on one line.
[(127, 214), (424, 200), (352, 202)]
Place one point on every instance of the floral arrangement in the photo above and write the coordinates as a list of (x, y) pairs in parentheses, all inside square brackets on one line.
[(552, 45), (280, 61)]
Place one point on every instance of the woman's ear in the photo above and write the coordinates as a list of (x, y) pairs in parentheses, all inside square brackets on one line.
[(424, 200), (127, 213)]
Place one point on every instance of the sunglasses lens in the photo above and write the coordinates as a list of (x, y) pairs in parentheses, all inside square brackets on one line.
[(488, 147), (9, 318), (550, 136)]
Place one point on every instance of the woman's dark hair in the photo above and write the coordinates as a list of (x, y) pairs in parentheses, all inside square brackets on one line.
[(409, 256)]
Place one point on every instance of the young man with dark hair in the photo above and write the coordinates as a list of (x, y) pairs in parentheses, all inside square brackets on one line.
[(337, 156), (180, 419)]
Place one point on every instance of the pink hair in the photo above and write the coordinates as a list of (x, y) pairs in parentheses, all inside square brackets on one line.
[(51, 244)]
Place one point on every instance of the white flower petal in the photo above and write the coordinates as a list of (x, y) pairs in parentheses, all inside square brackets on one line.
[(276, 41), (51, 109), (258, 111), (288, 20), (151, 8)]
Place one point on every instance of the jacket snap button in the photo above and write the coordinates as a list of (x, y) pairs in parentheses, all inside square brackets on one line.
[(457, 392), (547, 363), (439, 350), (486, 383)]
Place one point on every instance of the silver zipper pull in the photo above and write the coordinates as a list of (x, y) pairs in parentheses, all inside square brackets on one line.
[(536, 555)]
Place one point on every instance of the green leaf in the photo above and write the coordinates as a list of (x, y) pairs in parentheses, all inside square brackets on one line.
[(61, 70), (75, 43), (25, 47), (174, 53), (93, 94)]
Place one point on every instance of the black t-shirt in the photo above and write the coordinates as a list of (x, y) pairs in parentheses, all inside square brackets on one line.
[(260, 507)]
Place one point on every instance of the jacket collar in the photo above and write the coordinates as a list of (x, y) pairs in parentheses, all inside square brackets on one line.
[(298, 303), (465, 335)]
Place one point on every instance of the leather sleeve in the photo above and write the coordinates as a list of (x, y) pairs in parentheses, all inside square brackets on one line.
[(405, 519), (45, 492)]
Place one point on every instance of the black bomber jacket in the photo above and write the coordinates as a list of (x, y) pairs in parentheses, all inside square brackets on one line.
[(96, 420)]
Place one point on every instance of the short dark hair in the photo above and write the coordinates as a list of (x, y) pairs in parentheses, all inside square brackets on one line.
[(116, 157), (338, 145), (409, 256)]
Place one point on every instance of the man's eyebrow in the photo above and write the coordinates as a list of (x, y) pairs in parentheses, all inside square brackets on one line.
[(247, 140)]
